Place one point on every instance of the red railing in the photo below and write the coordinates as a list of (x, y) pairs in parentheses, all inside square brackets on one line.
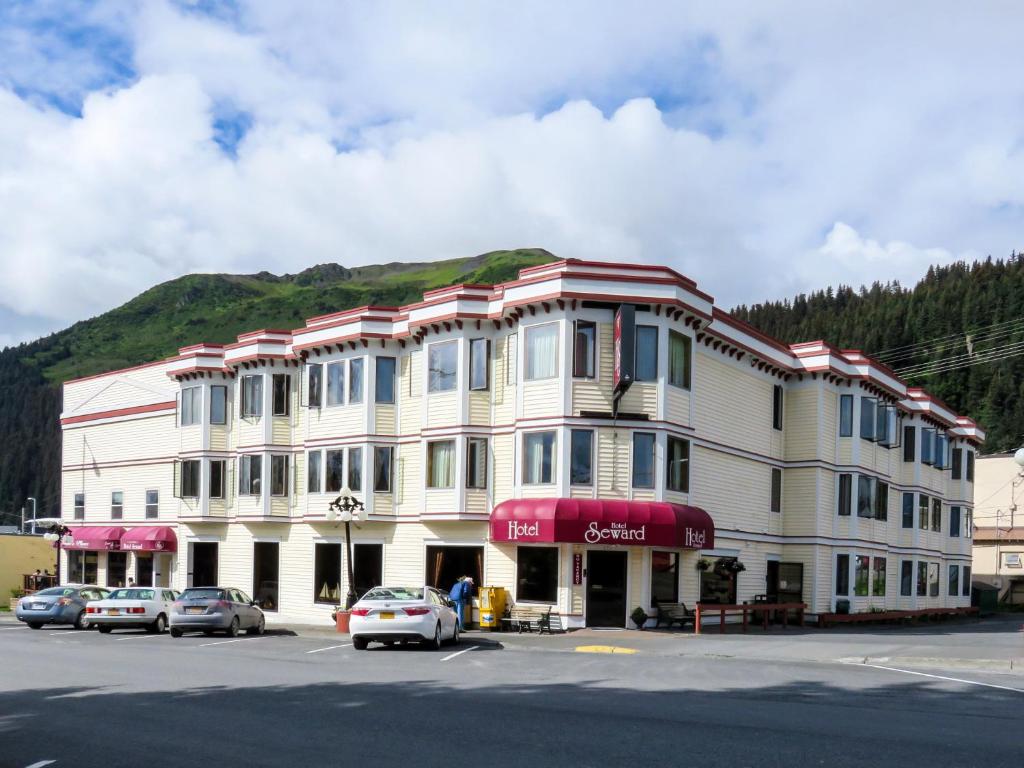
[(767, 609)]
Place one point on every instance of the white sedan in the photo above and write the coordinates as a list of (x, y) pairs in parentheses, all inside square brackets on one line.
[(146, 607), (390, 614)]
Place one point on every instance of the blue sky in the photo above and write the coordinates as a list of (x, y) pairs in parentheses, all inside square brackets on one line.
[(761, 149)]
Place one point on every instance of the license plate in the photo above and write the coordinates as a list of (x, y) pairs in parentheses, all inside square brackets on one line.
[(113, 612), (39, 606), (386, 614), (193, 610)]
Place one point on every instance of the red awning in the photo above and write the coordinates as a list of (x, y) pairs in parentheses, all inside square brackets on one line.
[(603, 521), (150, 538), (100, 537)]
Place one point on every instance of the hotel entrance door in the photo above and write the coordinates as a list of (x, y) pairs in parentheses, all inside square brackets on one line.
[(606, 589)]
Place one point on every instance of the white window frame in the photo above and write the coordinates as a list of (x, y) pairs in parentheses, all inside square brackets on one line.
[(526, 350)]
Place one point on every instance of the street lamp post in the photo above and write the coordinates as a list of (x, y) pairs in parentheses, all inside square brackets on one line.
[(345, 509), (57, 533), (33, 500)]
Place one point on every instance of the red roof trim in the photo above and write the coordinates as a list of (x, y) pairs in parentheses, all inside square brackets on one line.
[(152, 408)]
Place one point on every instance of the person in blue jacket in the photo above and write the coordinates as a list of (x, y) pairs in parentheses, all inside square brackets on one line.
[(460, 594)]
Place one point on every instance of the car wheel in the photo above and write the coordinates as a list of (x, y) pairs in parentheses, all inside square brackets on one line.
[(258, 629), (104, 630), (233, 627), (158, 626), (34, 625), (81, 621), (455, 634), (175, 632), (435, 644), (360, 643)]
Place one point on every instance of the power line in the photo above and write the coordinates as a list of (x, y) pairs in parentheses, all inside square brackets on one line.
[(888, 353), (978, 360), (967, 356)]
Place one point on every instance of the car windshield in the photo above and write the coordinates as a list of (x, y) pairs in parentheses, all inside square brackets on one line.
[(394, 593), (131, 594), (202, 594), (62, 591)]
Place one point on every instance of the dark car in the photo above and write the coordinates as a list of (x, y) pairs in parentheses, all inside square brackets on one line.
[(58, 605), (216, 609)]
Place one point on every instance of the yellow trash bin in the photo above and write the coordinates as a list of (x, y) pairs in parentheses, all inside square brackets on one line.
[(492, 606)]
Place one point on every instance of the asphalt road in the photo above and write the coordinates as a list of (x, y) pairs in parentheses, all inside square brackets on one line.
[(131, 699)]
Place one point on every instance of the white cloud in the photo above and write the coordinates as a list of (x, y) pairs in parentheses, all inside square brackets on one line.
[(761, 152)]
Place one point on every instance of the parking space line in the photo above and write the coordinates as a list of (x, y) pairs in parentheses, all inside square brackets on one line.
[(64, 632), (41, 763), (222, 642), (137, 637), (942, 677), (459, 653), (329, 648), (10, 629)]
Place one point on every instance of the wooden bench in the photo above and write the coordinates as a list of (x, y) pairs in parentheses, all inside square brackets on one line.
[(674, 613), (523, 618)]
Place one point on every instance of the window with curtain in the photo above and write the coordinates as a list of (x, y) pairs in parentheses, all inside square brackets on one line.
[(680, 355), (643, 460), (382, 463), (335, 469), (442, 364), (355, 380), (384, 381), (581, 457), (336, 383), (355, 469), (538, 458), (476, 462), (441, 464), (677, 465), (541, 351), (252, 396), (646, 353), (584, 350)]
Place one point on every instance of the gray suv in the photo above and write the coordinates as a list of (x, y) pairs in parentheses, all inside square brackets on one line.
[(216, 609)]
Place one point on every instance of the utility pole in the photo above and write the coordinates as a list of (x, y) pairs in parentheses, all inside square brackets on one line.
[(33, 500)]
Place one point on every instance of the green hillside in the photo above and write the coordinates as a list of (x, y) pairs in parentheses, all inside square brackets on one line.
[(190, 309)]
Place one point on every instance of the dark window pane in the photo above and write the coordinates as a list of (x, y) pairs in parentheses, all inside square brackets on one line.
[(954, 521), (355, 469), (382, 468), (327, 574), (677, 470), (643, 460), (218, 404), (581, 460), (476, 462), (908, 510), (334, 471), (845, 494), (906, 577), (954, 581), (282, 389), (537, 574), (355, 380), (646, 353), (278, 475), (864, 485), (776, 500), (777, 396), (385, 380), (680, 356), (316, 385), (664, 577), (958, 461), (845, 415), (862, 564), (967, 581), (842, 574), (909, 443), (314, 471), (216, 479), (867, 418)]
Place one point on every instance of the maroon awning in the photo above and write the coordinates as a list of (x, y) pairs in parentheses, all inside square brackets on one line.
[(99, 537), (150, 538), (603, 521)]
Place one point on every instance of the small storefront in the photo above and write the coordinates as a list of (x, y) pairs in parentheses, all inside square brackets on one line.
[(605, 556), (111, 555)]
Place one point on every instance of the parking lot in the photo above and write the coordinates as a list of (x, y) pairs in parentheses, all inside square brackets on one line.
[(131, 698)]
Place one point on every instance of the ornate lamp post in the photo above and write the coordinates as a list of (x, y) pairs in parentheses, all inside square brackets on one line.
[(57, 533), (345, 509)]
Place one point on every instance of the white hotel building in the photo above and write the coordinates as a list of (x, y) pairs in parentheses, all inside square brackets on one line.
[(483, 430)]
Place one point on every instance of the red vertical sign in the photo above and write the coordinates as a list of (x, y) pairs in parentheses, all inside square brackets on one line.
[(577, 568)]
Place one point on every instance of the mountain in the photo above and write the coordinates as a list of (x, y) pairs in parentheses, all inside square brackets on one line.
[(959, 333), (212, 308)]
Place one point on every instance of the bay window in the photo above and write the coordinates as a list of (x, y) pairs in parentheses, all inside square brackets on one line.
[(927, 445), (864, 508), (581, 457), (479, 363), (250, 475), (538, 458), (217, 476), (190, 479), (845, 415), (355, 469), (541, 351), (384, 380), (677, 465), (680, 359), (191, 406), (937, 514), (933, 579), (868, 417), (908, 510), (336, 383), (218, 404), (315, 385), (278, 475), (646, 353), (282, 389), (441, 464), (355, 380), (906, 578), (314, 471), (382, 464), (842, 580), (860, 575), (442, 366), (878, 577), (953, 583), (334, 463), (476, 462), (584, 364), (845, 502), (954, 521), (922, 578), (922, 512), (643, 460), (252, 396)]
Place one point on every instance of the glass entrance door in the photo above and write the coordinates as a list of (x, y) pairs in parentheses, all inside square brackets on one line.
[(606, 589)]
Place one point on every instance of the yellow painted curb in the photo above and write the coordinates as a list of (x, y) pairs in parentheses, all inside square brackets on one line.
[(603, 649)]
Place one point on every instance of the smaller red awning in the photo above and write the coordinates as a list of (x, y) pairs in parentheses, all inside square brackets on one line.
[(150, 538), (100, 537), (603, 521)]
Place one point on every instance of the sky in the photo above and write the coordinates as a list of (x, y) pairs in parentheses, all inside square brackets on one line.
[(763, 149)]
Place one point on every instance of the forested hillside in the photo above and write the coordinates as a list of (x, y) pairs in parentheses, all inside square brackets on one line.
[(959, 333), (194, 308)]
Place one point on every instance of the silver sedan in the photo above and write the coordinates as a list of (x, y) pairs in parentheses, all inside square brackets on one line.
[(216, 609), (58, 605)]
